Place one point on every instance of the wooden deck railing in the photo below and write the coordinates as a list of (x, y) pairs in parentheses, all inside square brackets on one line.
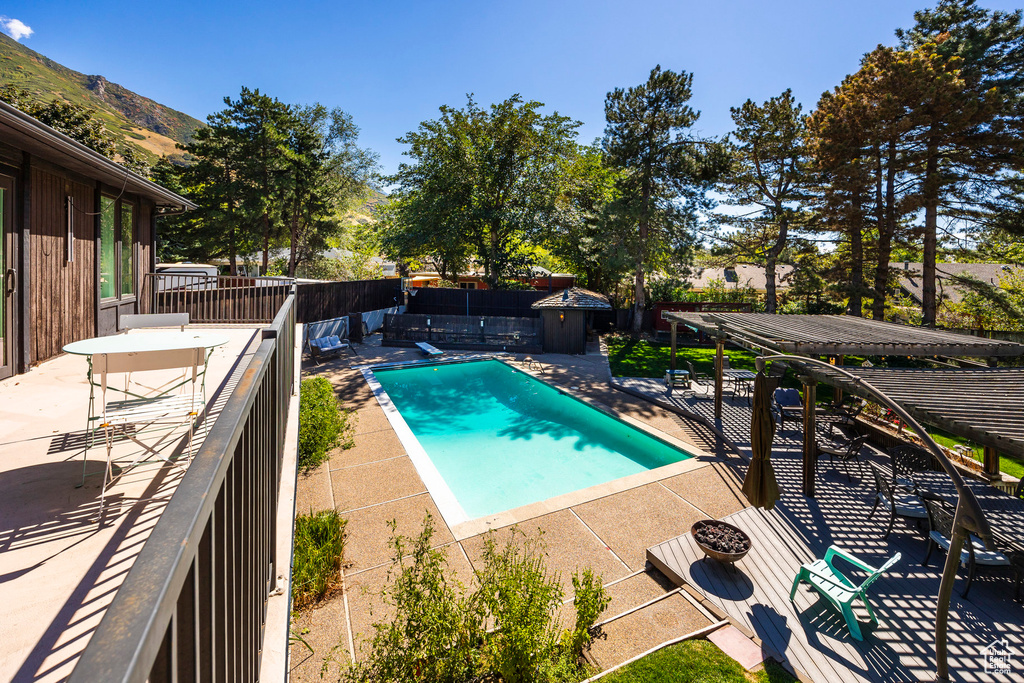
[(193, 606), (216, 298)]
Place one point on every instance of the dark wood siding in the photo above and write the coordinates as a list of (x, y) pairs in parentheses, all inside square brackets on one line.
[(568, 336), (63, 295)]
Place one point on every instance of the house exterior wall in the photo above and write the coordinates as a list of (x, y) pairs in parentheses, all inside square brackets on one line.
[(62, 293)]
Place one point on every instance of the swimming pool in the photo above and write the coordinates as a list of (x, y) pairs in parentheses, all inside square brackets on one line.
[(500, 439)]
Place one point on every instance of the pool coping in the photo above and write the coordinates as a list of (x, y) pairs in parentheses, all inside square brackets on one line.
[(459, 523)]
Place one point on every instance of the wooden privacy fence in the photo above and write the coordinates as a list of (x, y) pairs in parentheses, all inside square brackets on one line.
[(474, 302), (193, 605), (216, 298), (326, 300), (461, 330)]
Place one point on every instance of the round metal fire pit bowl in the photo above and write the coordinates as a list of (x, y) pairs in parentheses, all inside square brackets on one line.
[(711, 552)]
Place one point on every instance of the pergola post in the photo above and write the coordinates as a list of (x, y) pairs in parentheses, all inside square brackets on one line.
[(837, 393), (810, 442), (991, 460), (719, 353), (672, 363)]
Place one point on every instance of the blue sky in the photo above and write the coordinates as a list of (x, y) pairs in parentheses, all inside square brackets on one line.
[(392, 64)]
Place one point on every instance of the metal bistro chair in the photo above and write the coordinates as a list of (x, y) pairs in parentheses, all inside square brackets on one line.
[(897, 503), (974, 553), (846, 453), (906, 461), (788, 403), (136, 414)]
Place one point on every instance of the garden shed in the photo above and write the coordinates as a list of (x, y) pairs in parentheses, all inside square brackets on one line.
[(567, 315)]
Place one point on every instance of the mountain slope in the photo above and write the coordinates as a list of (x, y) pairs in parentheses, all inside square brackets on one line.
[(143, 122)]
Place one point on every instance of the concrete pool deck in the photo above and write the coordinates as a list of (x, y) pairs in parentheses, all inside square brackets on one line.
[(607, 530)]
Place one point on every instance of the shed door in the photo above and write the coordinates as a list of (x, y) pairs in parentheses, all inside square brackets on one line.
[(10, 277)]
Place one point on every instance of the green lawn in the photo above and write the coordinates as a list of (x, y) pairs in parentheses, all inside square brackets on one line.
[(1011, 466), (694, 661)]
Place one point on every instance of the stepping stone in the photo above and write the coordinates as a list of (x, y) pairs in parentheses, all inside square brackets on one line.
[(732, 642)]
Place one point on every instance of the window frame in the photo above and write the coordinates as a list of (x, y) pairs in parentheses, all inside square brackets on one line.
[(119, 205)]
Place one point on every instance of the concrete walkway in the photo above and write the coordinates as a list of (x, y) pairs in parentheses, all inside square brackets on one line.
[(375, 482)]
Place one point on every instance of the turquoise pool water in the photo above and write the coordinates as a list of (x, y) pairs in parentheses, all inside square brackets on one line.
[(500, 438)]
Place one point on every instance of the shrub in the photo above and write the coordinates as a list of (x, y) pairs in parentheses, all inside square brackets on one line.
[(319, 550), (322, 424), (523, 599), (439, 632), (435, 630)]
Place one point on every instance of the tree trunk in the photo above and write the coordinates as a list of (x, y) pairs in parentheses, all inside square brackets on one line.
[(855, 306), (639, 302), (294, 238), (931, 219), (771, 302), (266, 243), (886, 231)]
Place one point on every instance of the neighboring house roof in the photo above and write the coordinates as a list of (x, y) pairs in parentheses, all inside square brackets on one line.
[(740, 276), (24, 132), (945, 288), (574, 297)]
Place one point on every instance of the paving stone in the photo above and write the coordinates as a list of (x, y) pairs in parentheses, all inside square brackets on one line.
[(313, 492), (713, 489), (369, 447), (368, 534), (324, 628), (375, 482), (733, 643), (632, 521), (644, 629), (569, 547), (635, 591)]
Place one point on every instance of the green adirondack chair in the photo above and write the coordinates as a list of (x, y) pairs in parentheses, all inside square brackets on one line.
[(839, 590)]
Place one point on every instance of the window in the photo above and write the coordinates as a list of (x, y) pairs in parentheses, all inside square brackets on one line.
[(467, 285), (117, 248), (127, 249), (108, 245)]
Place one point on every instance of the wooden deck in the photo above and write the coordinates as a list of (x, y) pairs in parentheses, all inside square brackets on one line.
[(809, 634)]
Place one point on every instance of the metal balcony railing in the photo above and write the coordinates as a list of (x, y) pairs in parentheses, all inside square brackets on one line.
[(193, 606)]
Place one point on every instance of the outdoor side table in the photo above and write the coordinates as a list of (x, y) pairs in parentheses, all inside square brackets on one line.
[(677, 378)]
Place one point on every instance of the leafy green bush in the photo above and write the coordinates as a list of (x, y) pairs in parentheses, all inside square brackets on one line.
[(322, 424), (440, 633), (319, 550)]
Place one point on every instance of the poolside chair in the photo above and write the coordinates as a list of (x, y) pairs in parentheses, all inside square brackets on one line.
[(788, 402), (894, 500), (134, 414), (701, 380), (776, 373), (973, 555), (835, 587)]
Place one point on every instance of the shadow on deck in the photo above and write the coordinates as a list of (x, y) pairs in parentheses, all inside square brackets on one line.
[(808, 633)]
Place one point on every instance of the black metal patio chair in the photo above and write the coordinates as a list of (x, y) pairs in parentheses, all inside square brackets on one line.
[(906, 460), (974, 553), (846, 453), (897, 503)]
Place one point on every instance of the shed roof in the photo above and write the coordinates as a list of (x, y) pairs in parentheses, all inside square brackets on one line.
[(574, 297), (841, 334), (982, 404), (24, 132)]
